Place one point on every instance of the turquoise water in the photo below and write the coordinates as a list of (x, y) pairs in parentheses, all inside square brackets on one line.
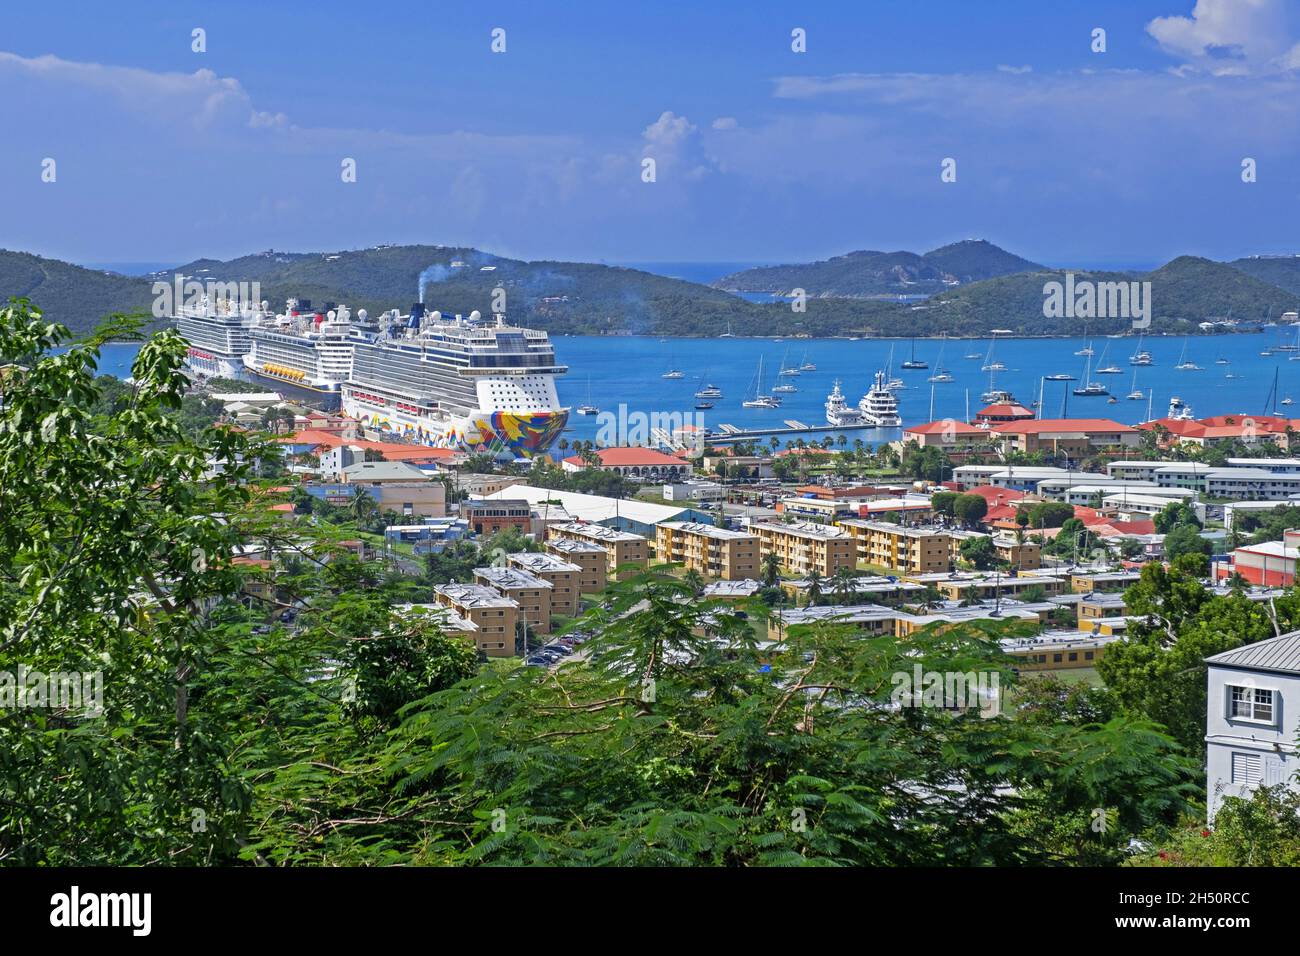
[(628, 370)]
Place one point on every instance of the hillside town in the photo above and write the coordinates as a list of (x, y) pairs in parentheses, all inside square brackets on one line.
[(1010, 519)]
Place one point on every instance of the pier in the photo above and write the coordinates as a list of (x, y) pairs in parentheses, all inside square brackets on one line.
[(730, 434)]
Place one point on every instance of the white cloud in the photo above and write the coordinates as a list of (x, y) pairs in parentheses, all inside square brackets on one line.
[(725, 122), (1003, 68), (1230, 37)]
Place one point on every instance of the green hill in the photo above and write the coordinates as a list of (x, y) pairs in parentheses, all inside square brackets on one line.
[(1281, 271), (76, 296), (868, 274), (585, 298)]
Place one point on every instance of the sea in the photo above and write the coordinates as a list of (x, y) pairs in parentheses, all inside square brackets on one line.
[(623, 376)]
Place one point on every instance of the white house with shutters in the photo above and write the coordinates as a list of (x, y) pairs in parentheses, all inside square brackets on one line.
[(1253, 719)]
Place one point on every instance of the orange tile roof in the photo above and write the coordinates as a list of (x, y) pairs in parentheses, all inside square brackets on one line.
[(939, 428), (629, 457), (1061, 425)]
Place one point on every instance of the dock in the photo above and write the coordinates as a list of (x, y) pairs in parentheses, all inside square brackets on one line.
[(728, 434)]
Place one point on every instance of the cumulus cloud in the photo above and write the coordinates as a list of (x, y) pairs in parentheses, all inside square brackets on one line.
[(674, 143), (1230, 37), (1003, 68), (725, 122)]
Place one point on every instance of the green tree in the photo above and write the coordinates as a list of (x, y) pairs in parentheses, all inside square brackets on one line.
[(970, 509)]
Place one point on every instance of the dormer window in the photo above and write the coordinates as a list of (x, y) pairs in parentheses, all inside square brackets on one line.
[(1255, 704)]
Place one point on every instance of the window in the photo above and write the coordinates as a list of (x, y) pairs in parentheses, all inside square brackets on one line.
[(1251, 703), (1247, 768)]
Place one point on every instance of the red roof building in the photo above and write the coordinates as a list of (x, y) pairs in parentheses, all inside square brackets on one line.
[(635, 462)]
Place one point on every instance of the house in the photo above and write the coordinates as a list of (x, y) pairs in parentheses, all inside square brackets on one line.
[(1269, 563), (634, 463), (953, 437), (1252, 719)]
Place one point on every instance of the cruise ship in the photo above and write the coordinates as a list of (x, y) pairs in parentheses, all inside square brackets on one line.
[(218, 335), (879, 407), (472, 383), (304, 353)]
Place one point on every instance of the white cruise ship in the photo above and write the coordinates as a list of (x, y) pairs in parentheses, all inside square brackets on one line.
[(304, 352), (879, 407), (481, 385), (840, 412), (217, 333)]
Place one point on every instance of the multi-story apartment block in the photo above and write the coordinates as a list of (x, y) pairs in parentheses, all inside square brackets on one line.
[(713, 552)]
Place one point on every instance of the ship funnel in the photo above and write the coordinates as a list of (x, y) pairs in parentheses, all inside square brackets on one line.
[(417, 311)]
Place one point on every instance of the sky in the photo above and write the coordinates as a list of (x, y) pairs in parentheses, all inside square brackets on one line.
[(1063, 154)]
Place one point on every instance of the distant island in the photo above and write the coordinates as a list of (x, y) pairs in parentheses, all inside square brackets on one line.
[(969, 289)]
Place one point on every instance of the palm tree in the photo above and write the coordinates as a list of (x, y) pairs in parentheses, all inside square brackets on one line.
[(362, 508), (694, 580), (771, 570), (814, 587), (843, 584)]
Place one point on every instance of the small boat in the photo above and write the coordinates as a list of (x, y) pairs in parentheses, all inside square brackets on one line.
[(785, 388), (1059, 377), (941, 375), (1086, 350), (1112, 400), (1286, 401), (703, 405), (1091, 390), (973, 355), (1221, 361), (673, 373), (1266, 353), (708, 391)]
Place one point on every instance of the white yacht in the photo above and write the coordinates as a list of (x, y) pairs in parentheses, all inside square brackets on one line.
[(840, 412), (879, 407)]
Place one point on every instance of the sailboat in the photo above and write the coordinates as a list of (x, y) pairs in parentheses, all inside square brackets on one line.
[(1135, 395), (1184, 365), (1140, 355), (588, 409), (1090, 389), (914, 362), (807, 366), (707, 390), (891, 381), (1087, 346), (1107, 369), (786, 371), (760, 400), (990, 364)]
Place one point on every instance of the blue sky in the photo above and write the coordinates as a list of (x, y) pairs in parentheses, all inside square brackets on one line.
[(1063, 155)]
